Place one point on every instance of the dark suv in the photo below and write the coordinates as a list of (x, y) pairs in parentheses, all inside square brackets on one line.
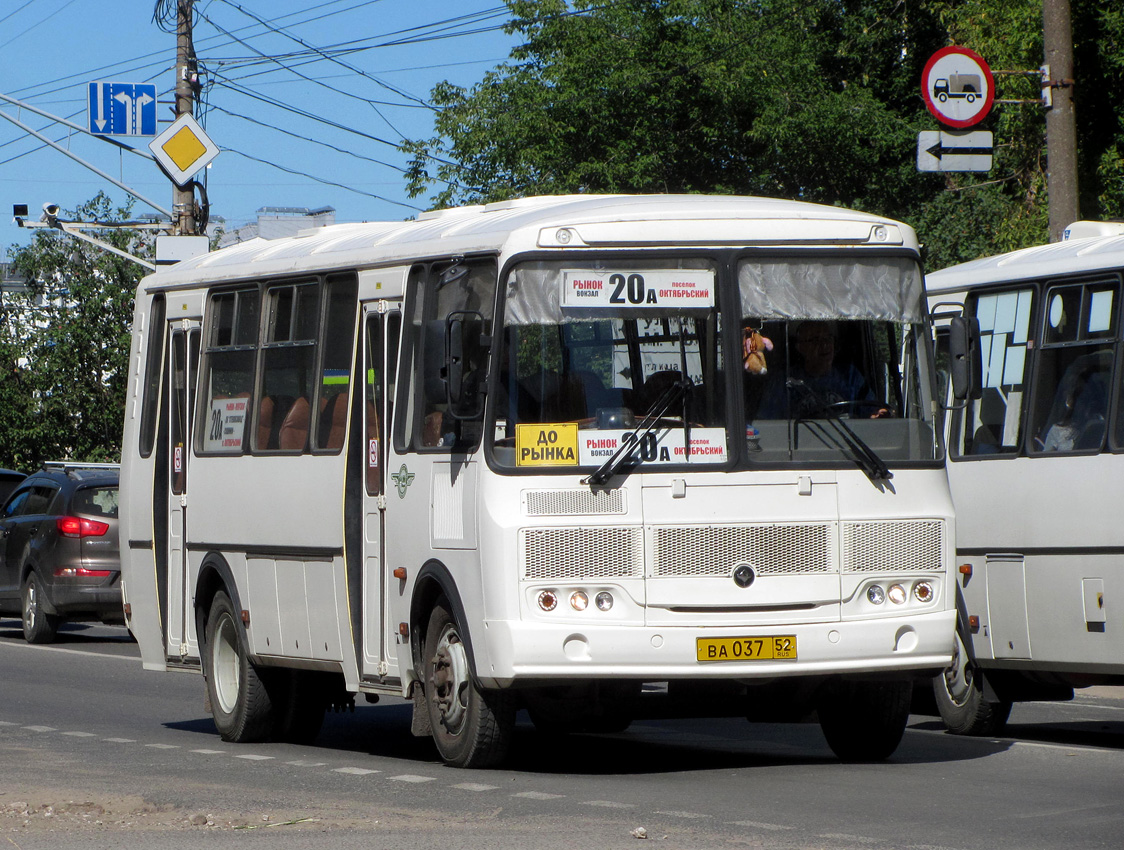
[(59, 555)]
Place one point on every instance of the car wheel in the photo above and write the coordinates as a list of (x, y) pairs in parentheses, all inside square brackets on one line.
[(471, 727), (38, 625), (865, 721), (240, 702)]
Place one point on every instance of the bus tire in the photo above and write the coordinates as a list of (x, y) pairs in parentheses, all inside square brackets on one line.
[(864, 721), (38, 625), (240, 702), (471, 727), (960, 700)]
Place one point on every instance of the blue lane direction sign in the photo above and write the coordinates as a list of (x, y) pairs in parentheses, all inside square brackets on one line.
[(123, 109)]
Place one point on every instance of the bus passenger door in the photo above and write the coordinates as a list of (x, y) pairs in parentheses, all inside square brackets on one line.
[(183, 357), (381, 328)]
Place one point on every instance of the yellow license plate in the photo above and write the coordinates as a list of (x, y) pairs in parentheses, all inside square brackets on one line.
[(767, 648)]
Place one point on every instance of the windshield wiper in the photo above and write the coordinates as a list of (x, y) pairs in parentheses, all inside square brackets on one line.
[(867, 459), (633, 440)]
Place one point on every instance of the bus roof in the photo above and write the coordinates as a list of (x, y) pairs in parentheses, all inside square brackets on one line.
[(610, 221), (1073, 255)]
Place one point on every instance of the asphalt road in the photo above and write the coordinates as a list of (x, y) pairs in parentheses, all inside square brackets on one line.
[(97, 753)]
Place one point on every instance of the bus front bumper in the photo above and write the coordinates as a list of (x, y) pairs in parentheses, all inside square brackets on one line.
[(517, 650)]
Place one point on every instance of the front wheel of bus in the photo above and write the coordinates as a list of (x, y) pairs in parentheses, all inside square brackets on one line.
[(240, 703), (960, 699), (471, 727), (865, 721)]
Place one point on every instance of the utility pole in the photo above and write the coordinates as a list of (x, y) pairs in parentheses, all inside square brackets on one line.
[(183, 200), (1061, 123)]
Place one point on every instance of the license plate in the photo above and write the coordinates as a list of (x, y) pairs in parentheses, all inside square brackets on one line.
[(766, 648)]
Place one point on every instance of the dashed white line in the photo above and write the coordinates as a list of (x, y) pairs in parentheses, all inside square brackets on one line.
[(163, 746), (476, 786), (41, 728), (7, 723), (354, 771), (413, 778), (120, 740), (210, 752), (300, 763), (609, 804), (80, 734), (538, 795), (755, 824), (674, 814), (254, 757)]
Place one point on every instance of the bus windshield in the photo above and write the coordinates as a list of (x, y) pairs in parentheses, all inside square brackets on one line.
[(632, 363)]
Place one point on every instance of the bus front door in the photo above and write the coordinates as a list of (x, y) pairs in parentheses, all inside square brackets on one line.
[(381, 328), (183, 356)]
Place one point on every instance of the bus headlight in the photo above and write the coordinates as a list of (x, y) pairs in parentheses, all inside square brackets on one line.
[(897, 594), (578, 600), (875, 595), (548, 600), (604, 600), (923, 591)]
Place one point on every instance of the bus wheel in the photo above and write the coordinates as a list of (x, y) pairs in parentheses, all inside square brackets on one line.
[(240, 703), (471, 727), (864, 721), (38, 626), (960, 700)]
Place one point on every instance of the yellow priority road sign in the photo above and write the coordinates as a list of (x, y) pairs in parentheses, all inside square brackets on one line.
[(183, 149)]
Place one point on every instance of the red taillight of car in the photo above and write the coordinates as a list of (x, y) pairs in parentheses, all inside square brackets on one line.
[(70, 572), (72, 526)]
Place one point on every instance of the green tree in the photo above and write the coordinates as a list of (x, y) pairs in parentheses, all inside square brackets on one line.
[(65, 345), (816, 100)]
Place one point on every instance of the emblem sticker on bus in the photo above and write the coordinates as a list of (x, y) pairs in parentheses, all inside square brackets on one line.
[(652, 289)]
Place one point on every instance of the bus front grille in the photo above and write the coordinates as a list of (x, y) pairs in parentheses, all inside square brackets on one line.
[(893, 546), (577, 553), (714, 550)]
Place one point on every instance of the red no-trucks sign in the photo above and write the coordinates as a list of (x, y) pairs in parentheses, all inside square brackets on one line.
[(957, 86)]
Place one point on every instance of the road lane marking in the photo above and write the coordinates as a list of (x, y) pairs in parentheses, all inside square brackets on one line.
[(253, 757), (413, 777), (41, 728), (300, 763), (609, 804), (756, 824), (355, 771), (210, 752), (674, 814), (80, 734), (163, 746), (120, 740), (66, 651), (476, 786), (538, 795)]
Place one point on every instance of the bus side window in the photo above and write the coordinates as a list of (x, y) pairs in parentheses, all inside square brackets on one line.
[(993, 424), (337, 346), (1074, 368), (227, 389), (451, 287)]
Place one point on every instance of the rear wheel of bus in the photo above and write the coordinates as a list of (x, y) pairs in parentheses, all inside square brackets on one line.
[(471, 727), (864, 721), (960, 698), (240, 701)]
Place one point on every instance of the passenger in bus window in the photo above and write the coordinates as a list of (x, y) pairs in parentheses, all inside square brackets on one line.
[(817, 385)]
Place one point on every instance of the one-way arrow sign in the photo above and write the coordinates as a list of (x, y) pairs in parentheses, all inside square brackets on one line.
[(942, 150)]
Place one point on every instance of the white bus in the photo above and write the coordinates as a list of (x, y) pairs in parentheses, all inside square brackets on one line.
[(520, 456), (1037, 478)]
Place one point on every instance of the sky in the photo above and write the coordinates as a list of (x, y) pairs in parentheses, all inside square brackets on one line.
[(294, 127)]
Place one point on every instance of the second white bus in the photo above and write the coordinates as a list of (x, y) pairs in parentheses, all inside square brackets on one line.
[(540, 454), (1037, 476)]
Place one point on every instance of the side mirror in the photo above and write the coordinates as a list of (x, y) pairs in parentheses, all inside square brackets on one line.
[(456, 358), (964, 358)]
